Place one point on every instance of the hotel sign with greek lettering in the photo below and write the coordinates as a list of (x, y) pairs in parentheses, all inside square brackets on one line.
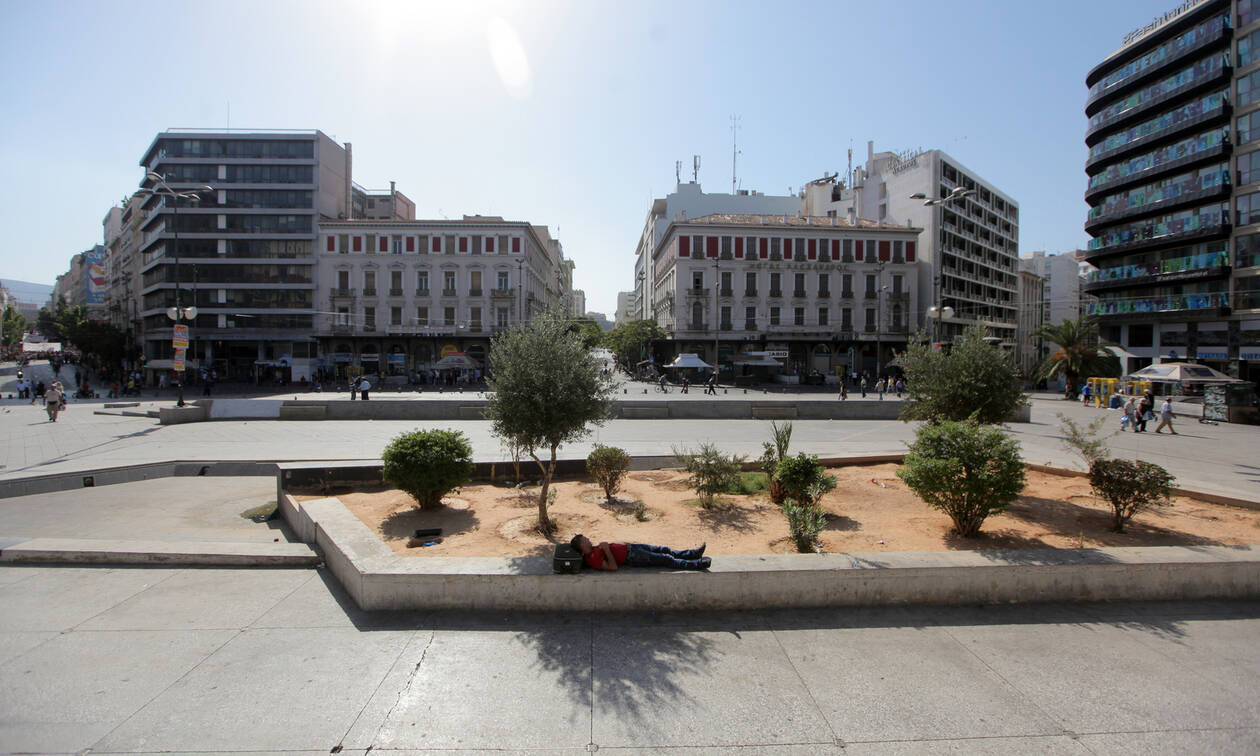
[(1159, 21)]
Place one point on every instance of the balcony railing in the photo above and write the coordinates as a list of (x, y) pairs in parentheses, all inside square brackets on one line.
[(750, 324), (697, 291), (369, 326), (696, 325), (449, 292), (1204, 261), (846, 294), (369, 292), (750, 291), (474, 292), (726, 326), (725, 293), (1170, 303), (824, 293), (799, 293), (422, 292), (501, 293), (342, 328), (395, 292), (343, 292), (776, 293)]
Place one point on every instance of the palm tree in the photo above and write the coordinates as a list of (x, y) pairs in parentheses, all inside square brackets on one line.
[(1080, 353)]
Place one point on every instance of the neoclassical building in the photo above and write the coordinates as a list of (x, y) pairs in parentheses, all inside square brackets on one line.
[(398, 296)]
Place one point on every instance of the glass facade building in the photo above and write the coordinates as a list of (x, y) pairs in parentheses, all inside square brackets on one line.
[(1173, 132)]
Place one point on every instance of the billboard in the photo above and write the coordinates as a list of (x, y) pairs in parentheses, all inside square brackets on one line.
[(94, 277)]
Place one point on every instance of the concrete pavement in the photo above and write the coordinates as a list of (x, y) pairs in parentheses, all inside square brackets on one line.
[(266, 661)]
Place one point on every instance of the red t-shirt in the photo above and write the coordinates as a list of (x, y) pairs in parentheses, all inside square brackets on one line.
[(595, 559)]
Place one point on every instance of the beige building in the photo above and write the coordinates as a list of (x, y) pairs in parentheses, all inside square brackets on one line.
[(397, 296), (1030, 350), (818, 293)]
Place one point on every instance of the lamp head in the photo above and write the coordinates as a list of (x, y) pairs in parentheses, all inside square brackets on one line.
[(190, 313)]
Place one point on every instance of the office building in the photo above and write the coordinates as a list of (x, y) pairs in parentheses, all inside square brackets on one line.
[(1173, 168)]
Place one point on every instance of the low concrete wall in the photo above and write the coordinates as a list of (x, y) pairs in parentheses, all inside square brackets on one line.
[(378, 579)]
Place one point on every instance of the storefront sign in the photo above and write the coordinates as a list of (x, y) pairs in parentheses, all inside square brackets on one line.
[(778, 354), (1250, 355), (448, 349)]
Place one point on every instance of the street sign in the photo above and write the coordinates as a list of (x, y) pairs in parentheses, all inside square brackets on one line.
[(178, 364), (180, 340)]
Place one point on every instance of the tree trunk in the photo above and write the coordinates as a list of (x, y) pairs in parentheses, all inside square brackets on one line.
[(544, 520)]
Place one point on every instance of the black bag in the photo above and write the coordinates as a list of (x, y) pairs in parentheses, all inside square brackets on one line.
[(567, 561)]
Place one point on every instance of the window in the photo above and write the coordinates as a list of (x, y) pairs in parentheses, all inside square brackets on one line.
[(395, 316), (503, 281), (871, 321), (516, 245), (846, 319), (799, 289), (822, 316), (846, 250), (750, 318), (474, 315), (1248, 206), (727, 248), (726, 284), (369, 282), (343, 316), (358, 244), (775, 288), (897, 283), (726, 317), (396, 245), (411, 244), (684, 246), (501, 317), (846, 284), (448, 283), (474, 283), (813, 249), (697, 316), (437, 245), (1248, 88), (343, 279), (395, 283), (1247, 12), (422, 281), (899, 251), (1249, 128), (422, 317), (369, 318), (1248, 168), (824, 285), (775, 248), (383, 244), (798, 245), (750, 284), (476, 245), (463, 245), (448, 316), (697, 279), (774, 316), (489, 242), (332, 243), (870, 285), (798, 316)]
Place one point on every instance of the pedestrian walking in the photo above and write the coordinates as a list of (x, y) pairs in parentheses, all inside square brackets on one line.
[(1144, 411), (686, 384), (364, 387), (710, 386), (54, 402), (862, 385), (354, 388), (1129, 417), (880, 385), (1085, 394), (1166, 416), (844, 392)]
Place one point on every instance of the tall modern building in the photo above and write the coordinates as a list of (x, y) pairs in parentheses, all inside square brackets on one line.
[(969, 247), (1174, 188), (245, 256)]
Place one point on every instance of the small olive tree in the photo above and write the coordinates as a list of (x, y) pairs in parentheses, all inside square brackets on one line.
[(967, 470), (428, 464), (608, 465), (804, 480), (1130, 487), (546, 390), (973, 377), (1084, 439), (774, 452), (712, 472)]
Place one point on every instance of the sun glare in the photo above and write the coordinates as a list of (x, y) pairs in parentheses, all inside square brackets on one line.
[(509, 57)]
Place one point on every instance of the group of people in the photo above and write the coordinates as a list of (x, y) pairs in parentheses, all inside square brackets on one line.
[(1137, 413), (360, 385), (886, 384)]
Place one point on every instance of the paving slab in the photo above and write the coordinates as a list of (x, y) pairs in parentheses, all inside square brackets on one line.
[(909, 684), (668, 687), (1101, 677), (60, 598), (538, 686), (1223, 741), (14, 643), (1054, 745), (63, 695), (295, 689), (164, 552)]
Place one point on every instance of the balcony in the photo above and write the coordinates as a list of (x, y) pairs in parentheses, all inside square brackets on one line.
[(697, 291), (846, 294), (869, 294), (341, 328), (449, 293), (750, 324), (474, 292), (776, 293), (1209, 304), (369, 292), (799, 293), (824, 293), (726, 326), (869, 328), (846, 332), (422, 292), (343, 292), (726, 293), (750, 292), (369, 326), (396, 292), (697, 325), (502, 293), (1194, 267)]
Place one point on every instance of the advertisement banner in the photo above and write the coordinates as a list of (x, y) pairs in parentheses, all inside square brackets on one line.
[(180, 339), (178, 364), (94, 277)]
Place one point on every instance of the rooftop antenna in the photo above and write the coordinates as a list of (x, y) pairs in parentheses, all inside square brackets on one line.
[(850, 174), (695, 168), (677, 171), (734, 151)]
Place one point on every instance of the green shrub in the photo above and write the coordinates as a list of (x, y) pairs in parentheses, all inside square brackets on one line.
[(711, 471), (967, 470), (971, 378), (746, 483), (804, 479), (428, 464), (608, 465), (1083, 439), (1129, 487), (774, 452), (805, 523)]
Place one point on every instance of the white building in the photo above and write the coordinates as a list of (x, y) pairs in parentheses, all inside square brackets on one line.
[(397, 296), (825, 294), (1061, 277), (969, 248), (627, 308), (688, 201)]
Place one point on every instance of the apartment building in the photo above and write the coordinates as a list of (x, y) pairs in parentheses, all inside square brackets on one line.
[(1029, 349), (969, 247), (820, 293), (395, 297), (1173, 168), (1062, 284)]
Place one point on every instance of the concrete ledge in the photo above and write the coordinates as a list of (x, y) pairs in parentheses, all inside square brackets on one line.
[(644, 412), (773, 412), (472, 411), (200, 553), (177, 415), (304, 412), (378, 579)]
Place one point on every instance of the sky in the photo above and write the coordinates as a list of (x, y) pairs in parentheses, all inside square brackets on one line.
[(564, 114)]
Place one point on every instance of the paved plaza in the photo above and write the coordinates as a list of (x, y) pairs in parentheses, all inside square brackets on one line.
[(183, 660)]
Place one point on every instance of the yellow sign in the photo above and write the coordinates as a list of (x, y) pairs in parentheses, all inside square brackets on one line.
[(448, 349), (180, 340), (178, 364)]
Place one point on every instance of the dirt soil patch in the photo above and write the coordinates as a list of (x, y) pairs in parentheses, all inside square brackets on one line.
[(870, 510)]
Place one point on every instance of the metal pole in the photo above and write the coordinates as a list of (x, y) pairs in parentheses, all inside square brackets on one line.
[(716, 308), (179, 398)]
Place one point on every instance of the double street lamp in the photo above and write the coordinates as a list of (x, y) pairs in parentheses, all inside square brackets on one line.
[(178, 312)]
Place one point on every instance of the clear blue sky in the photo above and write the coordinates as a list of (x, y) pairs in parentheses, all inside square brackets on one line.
[(577, 126)]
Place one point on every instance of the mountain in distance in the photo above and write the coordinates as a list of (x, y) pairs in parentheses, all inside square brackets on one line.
[(28, 293)]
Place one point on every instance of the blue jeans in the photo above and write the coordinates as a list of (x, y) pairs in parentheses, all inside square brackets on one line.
[(645, 555)]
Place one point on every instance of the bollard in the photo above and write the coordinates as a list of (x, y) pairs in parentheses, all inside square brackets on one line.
[(724, 391)]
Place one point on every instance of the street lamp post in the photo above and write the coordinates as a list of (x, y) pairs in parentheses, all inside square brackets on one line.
[(717, 307), (177, 312)]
